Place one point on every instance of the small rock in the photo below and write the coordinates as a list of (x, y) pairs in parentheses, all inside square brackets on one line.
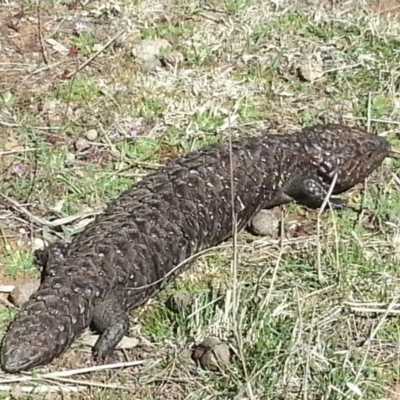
[(264, 223), (212, 354), (178, 302), (58, 206), (148, 51), (174, 58), (149, 48), (38, 244), (126, 342), (23, 291), (91, 135), (97, 47), (81, 144), (69, 158), (310, 70), (151, 64), (186, 354)]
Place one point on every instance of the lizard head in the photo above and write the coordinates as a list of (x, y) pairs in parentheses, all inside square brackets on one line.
[(350, 153)]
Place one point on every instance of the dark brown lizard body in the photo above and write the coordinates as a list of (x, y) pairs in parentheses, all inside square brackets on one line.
[(131, 251)]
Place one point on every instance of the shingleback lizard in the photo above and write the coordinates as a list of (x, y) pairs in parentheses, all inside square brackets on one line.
[(131, 250)]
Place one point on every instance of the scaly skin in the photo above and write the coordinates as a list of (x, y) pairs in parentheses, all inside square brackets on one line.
[(130, 252)]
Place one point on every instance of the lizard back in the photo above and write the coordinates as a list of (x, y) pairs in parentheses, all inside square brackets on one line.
[(133, 248)]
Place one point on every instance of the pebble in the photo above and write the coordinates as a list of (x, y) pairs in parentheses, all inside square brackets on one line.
[(148, 51), (149, 48), (125, 343), (91, 135), (23, 291), (310, 70), (38, 244), (264, 223), (212, 354), (97, 47), (69, 158), (81, 144), (178, 302), (174, 58), (151, 64)]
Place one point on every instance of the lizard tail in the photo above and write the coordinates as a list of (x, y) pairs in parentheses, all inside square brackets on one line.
[(45, 327)]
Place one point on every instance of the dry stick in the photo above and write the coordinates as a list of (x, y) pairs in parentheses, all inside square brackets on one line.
[(42, 389), (60, 376), (278, 262), (366, 304), (234, 267), (360, 216), (64, 374), (71, 86), (210, 303), (388, 10), (75, 73), (375, 310), (89, 60), (344, 67), (9, 124), (321, 210), (371, 336), (45, 68), (8, 152), (43, 222), (271, 286), (374, 307), (381, 121), (369, 112), (307, 372), (86, 383), (42, 45), (6, 288)]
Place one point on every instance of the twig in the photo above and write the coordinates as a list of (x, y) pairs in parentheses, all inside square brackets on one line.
[(89, 60), (64, 374), (8, 152), (44, 222), (89, 383), (381, 121), (10, 125), (267, 299), (43, 389), (320, 212), (388, 10), (382, 320), (42, 45), (385, 311), (367, 304), (46, 67), (80, 382), (6, 288), (328, 71)]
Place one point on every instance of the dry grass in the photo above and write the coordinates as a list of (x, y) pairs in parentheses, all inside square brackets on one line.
[(245, 68)]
